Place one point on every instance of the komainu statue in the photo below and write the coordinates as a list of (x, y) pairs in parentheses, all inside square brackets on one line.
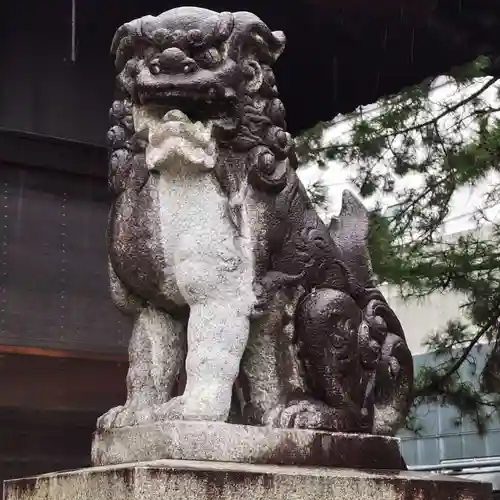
[(247, 308)]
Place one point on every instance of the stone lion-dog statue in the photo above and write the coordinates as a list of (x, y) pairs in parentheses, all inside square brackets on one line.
[(247, 307)]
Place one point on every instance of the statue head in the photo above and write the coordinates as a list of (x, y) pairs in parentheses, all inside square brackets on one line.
[(196, 60), (215, 68)]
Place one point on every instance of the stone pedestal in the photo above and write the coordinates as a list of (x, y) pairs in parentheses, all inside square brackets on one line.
[(186, 480), (215, 441), (216, 461)]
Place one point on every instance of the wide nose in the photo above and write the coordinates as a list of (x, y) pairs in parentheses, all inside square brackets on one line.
[(174, 60)]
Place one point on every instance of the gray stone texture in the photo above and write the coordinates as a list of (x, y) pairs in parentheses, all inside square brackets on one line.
[(173, 480), (248, 308), (214, 441)]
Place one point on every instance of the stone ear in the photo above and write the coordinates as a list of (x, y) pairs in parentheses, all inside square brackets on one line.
[(254, 75)]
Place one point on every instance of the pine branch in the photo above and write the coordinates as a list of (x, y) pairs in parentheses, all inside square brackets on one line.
[(418, 126), (445, 147), (465, 354)]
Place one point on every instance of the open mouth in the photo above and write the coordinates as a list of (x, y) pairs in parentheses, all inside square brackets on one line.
[(197, 106)]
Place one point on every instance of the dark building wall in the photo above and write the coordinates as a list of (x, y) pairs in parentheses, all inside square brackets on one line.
[(62, 342), (42, 91), (53, 263), (27, 438), (48, 410)]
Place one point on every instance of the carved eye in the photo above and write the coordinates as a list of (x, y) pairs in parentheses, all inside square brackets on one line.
[(161, 35), (210, 57), (195, 37)]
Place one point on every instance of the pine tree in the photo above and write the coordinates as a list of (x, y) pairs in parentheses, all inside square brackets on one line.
[(443, 147)]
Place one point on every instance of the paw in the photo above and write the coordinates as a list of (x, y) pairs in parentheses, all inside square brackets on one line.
[(314, 415), (193, 408), (175, 140), (176, 409), (125, 416), (106, 421)]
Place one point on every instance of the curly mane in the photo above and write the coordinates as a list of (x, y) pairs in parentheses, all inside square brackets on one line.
[(254, 148)]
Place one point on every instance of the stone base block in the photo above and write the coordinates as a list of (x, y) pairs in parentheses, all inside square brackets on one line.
[(178, 480), (215, 441)]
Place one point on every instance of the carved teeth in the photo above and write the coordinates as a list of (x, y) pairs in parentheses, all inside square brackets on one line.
[(200, 128), (175, 115)]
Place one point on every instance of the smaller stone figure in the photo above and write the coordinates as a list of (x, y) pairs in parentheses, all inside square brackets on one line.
[(247, 308)]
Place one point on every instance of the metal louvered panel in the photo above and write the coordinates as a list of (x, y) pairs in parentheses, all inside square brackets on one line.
[(443, 435)]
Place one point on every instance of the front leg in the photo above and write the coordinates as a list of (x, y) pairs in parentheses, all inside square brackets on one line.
[(217, 284), (156, 353), (212, 266)]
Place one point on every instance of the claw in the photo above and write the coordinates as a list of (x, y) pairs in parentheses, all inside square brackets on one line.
[(310, 414), (107, 420)]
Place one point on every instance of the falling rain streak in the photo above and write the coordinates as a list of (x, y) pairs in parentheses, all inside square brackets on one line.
[(73, 30)]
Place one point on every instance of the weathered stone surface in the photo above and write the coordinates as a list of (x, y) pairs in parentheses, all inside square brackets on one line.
[(247, 307), (213, 441), (171, 480)]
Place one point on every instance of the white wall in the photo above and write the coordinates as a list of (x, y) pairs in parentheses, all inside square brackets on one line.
[(423, 317)]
